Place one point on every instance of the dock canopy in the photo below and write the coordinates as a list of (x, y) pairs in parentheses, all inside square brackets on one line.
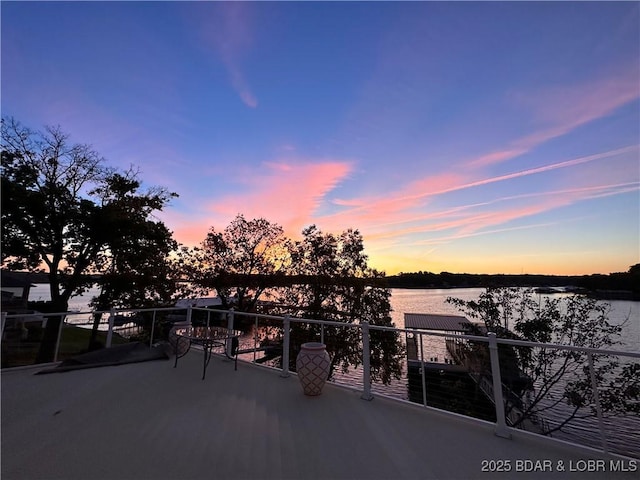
[(427, 321), (199, 302)]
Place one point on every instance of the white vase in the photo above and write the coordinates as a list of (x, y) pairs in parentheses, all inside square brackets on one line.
[(312, 366)]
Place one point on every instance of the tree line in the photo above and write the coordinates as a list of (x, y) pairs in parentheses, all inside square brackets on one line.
[(620, 281)]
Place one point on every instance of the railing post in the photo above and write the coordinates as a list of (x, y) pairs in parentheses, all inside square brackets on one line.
[(501, 424), (322, 333), (55, 355), (153, 327), (366, 363), (423, 373), (255, 339), (596, 397), (4, 320), (189, 314), (230, 331), (286, 325), (112, 317)]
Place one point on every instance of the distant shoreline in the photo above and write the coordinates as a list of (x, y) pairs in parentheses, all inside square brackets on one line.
[(614, 286), (599, 294)]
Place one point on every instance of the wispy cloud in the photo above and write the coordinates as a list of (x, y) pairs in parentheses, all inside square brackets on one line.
[(472, 218), (559, 110), (546, 168), (227, 29), (460, 235), (404, 203), (574, 105), (241, 86)]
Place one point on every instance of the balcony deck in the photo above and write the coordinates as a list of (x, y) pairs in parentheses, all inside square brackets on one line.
[(151, 421)]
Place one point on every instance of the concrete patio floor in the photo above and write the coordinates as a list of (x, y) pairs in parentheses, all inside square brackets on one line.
[(151, 421)]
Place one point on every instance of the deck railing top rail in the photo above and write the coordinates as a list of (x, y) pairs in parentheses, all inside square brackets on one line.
[(476, 338)]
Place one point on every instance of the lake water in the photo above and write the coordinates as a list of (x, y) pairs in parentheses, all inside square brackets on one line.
[(626, 313), (40, 292)]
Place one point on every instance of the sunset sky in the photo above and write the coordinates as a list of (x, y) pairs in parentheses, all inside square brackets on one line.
[(476, 137)]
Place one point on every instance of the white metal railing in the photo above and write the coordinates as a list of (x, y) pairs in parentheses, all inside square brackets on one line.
[(109, 324), (285, 322), (502, 427)]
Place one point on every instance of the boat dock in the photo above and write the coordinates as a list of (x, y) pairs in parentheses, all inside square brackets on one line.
[(442, 359)]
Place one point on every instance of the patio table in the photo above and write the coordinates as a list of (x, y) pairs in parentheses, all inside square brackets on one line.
[(209, 338)]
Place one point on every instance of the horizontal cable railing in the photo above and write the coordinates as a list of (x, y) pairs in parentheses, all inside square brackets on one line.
[(437, 370)]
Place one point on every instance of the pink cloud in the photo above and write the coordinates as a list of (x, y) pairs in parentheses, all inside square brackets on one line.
[(495, 157), (462, 220), (433, 184), (347, 203), (189, 229), (191, 235), (392, 208), (286, 192)]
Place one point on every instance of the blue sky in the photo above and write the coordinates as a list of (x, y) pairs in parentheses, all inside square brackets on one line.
[(477, 137)]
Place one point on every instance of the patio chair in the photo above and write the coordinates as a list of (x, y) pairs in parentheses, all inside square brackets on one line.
[(179, 345)]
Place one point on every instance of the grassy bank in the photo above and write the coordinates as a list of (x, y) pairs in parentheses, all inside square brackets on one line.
[(19, 350)]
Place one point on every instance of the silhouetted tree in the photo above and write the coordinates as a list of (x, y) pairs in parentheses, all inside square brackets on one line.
[(554, 376), (251, 249), (136, 268), (62, 213), (634, 274), (340, 286)]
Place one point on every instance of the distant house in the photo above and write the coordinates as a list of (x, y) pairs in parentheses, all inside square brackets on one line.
[(15, 291)]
